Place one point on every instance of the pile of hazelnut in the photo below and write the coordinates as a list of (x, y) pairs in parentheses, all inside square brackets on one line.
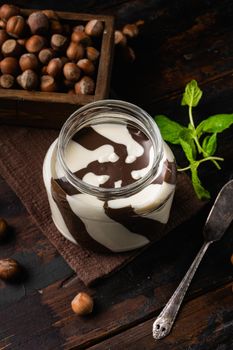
[(41, 53)]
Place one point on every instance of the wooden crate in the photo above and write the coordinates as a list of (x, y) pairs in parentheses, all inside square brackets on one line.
[(43, 109)]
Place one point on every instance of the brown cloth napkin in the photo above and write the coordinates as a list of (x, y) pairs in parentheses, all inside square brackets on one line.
[(22, 152)]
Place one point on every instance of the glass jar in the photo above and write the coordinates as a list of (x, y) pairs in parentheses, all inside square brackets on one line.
[(99, 195)]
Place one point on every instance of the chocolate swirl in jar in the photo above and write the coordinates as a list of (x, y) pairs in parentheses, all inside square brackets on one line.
[(114, 156)]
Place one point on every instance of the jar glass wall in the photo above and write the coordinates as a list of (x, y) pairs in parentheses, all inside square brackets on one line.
[(110, 178)]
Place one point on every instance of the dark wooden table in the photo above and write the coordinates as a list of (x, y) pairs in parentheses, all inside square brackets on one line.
[(181, 40)]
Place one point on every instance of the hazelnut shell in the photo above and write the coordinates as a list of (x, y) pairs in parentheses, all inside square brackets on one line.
[(28, 80), (85, 86), (35, 43), (9, 65), (28, 61), (75, 51), (94, 28), (71, 72), (38, 23), (7, 11), (15, 26), (82, 304), (9, 269)]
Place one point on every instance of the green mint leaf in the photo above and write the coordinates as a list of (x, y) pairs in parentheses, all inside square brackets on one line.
[(209, 144), (201, 192), (192, 94), (169, 129), (216, 123), (187, 143)]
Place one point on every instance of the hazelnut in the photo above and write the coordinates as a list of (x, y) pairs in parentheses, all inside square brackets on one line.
[(86, 65), (11, 48), (3, 223), (6, 82), (75, 51), (28, 61), (82, 304), (2, 24), (55, 27), (7, 11), (28, 80), (71, 71), (45, 55), (92, 53), (9, 65), (119, 38), (79, 28), (38, 23), (9, 269), (59, 42), (85, 86), (35, 44), (48, 84), (54, 67), (50, 14), (81, 38), (94, 27), (3, 36), (130, 30), (15, 26)]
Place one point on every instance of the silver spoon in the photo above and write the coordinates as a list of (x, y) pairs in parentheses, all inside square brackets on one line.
[(216, 224)]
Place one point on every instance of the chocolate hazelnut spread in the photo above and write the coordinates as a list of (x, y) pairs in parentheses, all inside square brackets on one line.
[(108, 157)]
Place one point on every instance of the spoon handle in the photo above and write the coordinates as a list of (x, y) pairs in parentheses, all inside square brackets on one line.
[(164, 322)]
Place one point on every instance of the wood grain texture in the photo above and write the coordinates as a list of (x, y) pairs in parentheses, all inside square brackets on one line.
[(151, 280), (203, 323), (180, 41)]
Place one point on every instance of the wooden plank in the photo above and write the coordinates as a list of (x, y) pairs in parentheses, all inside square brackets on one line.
[(203, 323), (151, 279)]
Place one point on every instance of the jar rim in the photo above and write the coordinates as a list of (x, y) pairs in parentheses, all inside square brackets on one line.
[(79, 119)]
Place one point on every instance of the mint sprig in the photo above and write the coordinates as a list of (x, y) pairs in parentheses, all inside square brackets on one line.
[(199, 143)]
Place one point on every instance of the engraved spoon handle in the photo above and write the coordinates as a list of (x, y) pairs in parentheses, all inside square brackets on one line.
[(164, 322)]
